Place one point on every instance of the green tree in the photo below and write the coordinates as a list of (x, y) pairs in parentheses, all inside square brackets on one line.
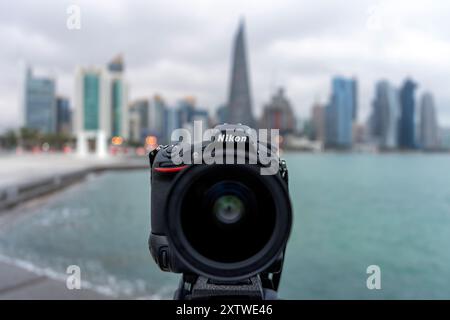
[(29, 137), (9, 139)]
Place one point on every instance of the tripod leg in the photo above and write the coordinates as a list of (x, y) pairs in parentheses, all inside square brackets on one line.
[(180, 293)]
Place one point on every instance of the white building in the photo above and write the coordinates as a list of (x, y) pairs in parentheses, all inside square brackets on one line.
[(428, 124), (101, 99)]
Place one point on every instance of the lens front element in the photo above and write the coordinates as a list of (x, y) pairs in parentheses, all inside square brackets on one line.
[(228, 209)]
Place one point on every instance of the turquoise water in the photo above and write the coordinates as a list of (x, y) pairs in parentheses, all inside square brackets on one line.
[(351, 211)]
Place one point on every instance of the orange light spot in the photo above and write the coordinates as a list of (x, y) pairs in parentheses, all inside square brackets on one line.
[(117, 141), (151, 140)]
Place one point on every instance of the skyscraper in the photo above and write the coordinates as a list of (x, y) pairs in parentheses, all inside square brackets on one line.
[(118, 98), (157, 114), (138, 119), (221, 114), (116, 64), (201, 116), (406, 125), (386, 108), (339, 113), (318, 122), (278, 114), (63, 116), (428, 123), (355, 99), (91, 112), (40, 103), (101, 102), (239, 102), (186, 109), (171, 119)]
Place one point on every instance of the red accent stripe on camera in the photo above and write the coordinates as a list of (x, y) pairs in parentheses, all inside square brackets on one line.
[(171, 169)]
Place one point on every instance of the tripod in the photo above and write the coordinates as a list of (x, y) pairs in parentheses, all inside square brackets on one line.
[(259, 287)]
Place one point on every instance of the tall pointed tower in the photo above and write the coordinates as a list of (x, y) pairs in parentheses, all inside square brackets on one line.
[(240, 102)]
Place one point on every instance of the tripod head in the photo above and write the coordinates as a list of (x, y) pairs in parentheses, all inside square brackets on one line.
[(201, 288)]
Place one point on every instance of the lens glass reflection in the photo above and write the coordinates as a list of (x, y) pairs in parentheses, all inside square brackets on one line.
[(228, 209)]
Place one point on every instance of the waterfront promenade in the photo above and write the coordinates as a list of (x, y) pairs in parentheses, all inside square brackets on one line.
[(23, 177)]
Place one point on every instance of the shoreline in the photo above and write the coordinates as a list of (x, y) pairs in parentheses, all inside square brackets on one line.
[(21, 280), (24, 280)]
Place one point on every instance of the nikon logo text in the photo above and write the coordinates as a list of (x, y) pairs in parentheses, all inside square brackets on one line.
[(230, 138), (213, 146)]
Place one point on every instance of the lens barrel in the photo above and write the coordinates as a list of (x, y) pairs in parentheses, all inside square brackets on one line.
[(228, 222)]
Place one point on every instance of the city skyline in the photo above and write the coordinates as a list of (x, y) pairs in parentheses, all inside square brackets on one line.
[(297, 48), (103, 111)]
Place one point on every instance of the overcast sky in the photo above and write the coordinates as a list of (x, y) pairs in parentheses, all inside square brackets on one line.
[(180, 48)]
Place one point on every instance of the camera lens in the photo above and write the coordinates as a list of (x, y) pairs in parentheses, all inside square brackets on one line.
[(228, 209), (228, 221), (227, 202)]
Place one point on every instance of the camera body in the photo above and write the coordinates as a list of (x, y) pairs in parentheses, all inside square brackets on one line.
[(226, 222)]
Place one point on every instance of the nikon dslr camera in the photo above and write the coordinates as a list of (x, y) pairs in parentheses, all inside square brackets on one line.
[(220, 214)]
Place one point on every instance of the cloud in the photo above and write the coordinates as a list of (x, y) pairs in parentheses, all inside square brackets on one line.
[(179, 48)]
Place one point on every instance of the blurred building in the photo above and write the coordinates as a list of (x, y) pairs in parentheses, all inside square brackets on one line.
[(444, 135), (318, 122), (63, 116), (134, 125), (92, 115), (118, 98), (101, 105), (157, 122), (374, 121), (239, 102), (116, 64), (385, 115), (202, 116), (301, 143), (172, 122), (406, 138), (355, 100), (339, 114), (278, 114), (303, 126), (39, 103), (428, 123), (139, 119), (359, 133), (186, 109), (222, 115)]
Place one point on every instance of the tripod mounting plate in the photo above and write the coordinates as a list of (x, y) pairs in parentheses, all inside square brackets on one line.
[(203, 288)]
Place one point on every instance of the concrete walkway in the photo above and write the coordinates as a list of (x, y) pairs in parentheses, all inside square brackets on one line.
[(20, 284), (29, 176), (18, 169)]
